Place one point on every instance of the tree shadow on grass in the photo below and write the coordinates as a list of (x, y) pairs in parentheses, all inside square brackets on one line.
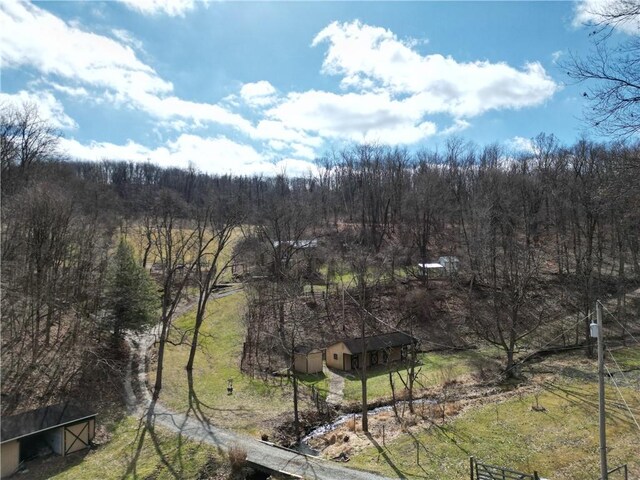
[(171, 456), (382, 452)]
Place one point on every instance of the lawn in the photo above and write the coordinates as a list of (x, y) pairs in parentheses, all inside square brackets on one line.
[(559, 442), (117, 459), (253, 402), (434, 369)]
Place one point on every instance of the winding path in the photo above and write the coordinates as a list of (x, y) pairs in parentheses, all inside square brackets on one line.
[(267, 455)]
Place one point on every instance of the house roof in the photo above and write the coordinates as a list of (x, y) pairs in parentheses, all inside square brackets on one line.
[(380, 342), (430, 265), (305, 349), (41, 419)]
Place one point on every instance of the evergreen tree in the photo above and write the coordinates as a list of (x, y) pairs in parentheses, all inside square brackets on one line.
[(131, 294)]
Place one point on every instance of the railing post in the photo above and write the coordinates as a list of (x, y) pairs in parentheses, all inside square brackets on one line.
[(471, 466)]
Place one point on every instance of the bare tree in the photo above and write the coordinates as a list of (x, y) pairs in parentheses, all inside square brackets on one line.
[(25, 138), (612, 69), (174, 243), (214, 230)]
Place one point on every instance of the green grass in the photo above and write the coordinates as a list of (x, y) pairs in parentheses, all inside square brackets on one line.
[(117, 459), (561, 442), (434, 369), (252, 403), (318, 380)]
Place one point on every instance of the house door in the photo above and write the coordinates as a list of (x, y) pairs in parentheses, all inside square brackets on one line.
[(355, 362)]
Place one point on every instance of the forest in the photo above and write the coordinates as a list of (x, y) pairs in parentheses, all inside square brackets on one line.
[(91, 250), (538, 234)]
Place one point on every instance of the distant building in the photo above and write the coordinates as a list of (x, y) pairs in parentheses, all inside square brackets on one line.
[(298, 244), (381, 349), (307, 359), (450, 264), (431, 270), (62, 429)]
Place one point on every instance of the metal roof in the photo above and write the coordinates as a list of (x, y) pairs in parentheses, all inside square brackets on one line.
[(380, 342), (41, 419), (430, 265)]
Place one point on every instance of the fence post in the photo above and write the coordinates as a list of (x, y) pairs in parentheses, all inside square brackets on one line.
[(535, 475), (471, 466)]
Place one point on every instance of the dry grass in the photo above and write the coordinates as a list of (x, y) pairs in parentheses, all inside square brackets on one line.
[(237, 457)]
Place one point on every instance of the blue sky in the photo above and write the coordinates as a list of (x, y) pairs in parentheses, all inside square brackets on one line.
[(261, 87)]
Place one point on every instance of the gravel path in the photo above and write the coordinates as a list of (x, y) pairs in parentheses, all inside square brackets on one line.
[(194, 426), (336, 387)]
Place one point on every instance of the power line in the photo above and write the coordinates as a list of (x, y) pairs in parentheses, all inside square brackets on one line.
[(622, 397), (623, 327), (621, 372)]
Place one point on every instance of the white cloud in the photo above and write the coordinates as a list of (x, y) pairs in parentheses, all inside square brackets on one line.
[(520, 144), (218, 155), (172, 8), (367, 116), (49, 108), (589, 12), (457, 126), (127, 38), (555, 56), (371, 58), (96, 62), (260, 93)]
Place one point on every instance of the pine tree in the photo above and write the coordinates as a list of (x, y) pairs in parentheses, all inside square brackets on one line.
[(131, 294)]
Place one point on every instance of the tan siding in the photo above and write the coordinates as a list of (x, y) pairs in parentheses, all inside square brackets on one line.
[(10, 458), (300, 363), (314, 362), (338, 349), (77, 429)]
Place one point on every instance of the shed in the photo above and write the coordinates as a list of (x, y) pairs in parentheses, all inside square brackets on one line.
[(62, 429), (307, 359), (380, 349), (451, 264), (431, 270)]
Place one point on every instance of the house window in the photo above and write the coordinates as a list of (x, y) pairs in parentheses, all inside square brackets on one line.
[(374, 358), (403, 352), (385, 356), (335, 356)]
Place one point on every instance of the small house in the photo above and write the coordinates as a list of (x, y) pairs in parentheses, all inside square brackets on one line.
[(62, 429), (380, 349), (307, 359), (451, 264)]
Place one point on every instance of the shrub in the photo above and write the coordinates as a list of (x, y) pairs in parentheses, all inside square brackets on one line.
[(237, 457)]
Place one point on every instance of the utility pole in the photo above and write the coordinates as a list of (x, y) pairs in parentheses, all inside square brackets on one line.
[(596, 331)]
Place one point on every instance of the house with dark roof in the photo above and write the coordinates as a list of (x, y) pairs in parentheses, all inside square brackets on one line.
[(381, 349), (62, 429)]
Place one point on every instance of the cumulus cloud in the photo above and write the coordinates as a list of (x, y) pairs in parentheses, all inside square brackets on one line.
[(218, 155), (258, 94), (589, 12), (97, 62), (390, 89), (370, 58), (49, 108), (173, 8), (520, 144)]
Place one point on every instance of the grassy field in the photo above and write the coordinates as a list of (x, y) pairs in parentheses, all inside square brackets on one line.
[(559, 442), (434, 369), (118, 458), (253, 402)]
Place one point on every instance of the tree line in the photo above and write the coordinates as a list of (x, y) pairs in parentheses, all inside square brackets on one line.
[(570, 210)]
